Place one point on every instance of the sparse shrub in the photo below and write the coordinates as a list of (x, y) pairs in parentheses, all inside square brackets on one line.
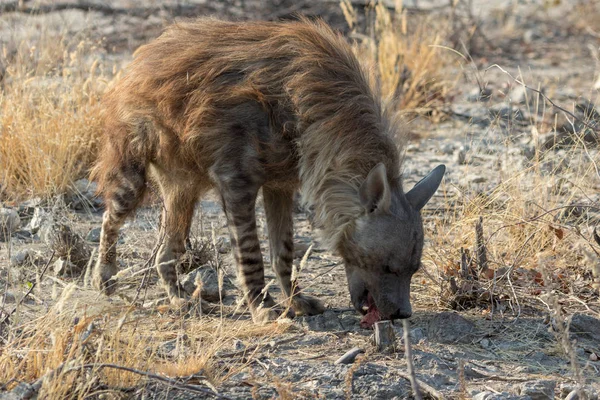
[(406, 56)]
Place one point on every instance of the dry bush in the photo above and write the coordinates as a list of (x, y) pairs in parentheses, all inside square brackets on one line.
[(49, 108), (538, 220), (406, 56)]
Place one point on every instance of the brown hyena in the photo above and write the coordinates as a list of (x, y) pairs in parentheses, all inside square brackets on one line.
[(278, 106)]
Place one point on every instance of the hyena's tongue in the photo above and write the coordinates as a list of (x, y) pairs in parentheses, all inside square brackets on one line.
[(372, 315)]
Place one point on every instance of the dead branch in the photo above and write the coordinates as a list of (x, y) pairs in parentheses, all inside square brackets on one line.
[(548, 99), (482, 260), (409, 362), (36, 386)]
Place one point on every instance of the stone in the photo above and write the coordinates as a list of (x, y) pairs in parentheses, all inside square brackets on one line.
[(63, 267), (94, 235), (83, 194), (487, 395), (450, 327), (23, 257), (460, 156), (479, 94), (9, 223), (538, 389), (507, 112), (584, 325), (40, 216), (208, 278), (328, 321), (8, 297)]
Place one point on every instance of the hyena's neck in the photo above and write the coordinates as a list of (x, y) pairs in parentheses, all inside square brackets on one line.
[(332, 168)]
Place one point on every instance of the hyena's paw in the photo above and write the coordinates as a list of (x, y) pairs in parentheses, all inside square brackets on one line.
[(268, 311), (307, 305), (103, 278)]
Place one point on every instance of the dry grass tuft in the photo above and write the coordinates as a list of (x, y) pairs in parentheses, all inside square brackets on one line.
[(538, 223), (49, 110), (406, 56), (52, 349)]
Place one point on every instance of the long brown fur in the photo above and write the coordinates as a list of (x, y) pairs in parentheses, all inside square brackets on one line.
[(175, 111)]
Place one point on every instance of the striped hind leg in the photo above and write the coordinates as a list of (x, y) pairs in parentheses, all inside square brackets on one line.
[(279, 205), (179, 202), (124, 191)]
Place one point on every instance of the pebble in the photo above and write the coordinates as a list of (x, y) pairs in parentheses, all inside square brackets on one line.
[(63, 267), (22, 257), (586, 326), (209, 283), (94, 235), (9, 222), (538, 389)]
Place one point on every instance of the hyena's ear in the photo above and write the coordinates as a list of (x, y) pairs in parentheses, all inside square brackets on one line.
[(419, 195), (375, 191)]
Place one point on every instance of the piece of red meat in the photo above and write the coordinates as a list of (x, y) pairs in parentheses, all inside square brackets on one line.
[(372, 315)]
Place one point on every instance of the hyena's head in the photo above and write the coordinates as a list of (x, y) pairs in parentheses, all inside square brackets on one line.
[(385, 249)]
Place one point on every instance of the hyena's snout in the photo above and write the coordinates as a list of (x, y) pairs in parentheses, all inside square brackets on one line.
[(392, 297)]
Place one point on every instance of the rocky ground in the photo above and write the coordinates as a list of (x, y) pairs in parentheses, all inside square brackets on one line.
[(513, 160)]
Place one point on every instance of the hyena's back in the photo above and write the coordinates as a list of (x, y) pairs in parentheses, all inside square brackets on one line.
[(225, 105)]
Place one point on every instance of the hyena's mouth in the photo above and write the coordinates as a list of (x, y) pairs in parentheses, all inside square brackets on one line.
[(370, 311)]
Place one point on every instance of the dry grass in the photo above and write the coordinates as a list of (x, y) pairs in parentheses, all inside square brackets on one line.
[(538, 219), (49, 110), (406, 55), (53, 348)]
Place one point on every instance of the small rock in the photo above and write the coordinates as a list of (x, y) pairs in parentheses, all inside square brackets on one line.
[(585, 326), (485, 343), (507, 112), (539, 389), (23, 257), (208, 279), (447, 148), (328, 321), (82, 194), (224, 244), (9, 222), (94, 235), (9, 298), (518, 94), (449, 327), (480, 94), (460, 157), (40, 216), (67, 244), (63, 267), (417, 334), (475, 179)]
